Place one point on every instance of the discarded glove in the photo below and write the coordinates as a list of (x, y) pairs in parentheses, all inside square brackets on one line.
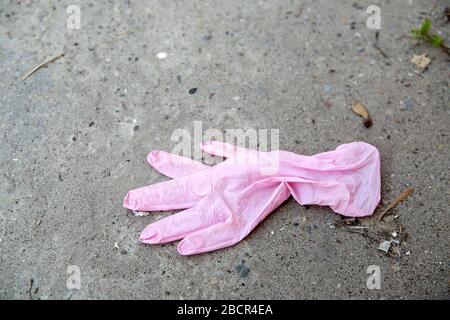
[(224, 203)]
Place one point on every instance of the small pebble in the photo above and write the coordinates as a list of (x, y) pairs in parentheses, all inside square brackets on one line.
[(192, 91), (161, 55), (207, 38), (140, 213), (396, 268), (242, 270), (384, 246)]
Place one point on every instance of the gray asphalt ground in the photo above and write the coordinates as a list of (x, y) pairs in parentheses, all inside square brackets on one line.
[(76, 133)]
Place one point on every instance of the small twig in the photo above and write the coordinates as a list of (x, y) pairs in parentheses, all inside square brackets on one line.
[(377, 35), (442, 45), (445, 48), (433, 7), (405, 194), (345, 222), (41, 65), (31, 288), (365, 234), (299, 12), (357, 227), (381, 51)]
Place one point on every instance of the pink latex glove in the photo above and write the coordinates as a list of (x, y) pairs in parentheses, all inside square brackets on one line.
[(224, 203)]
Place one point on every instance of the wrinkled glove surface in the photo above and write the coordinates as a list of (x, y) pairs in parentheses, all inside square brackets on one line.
[(224, 203)]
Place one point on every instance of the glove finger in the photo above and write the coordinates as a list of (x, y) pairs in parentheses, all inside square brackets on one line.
[(173, 165), (232, 230), (215, 237), (180, 193), (176, 227), (263, 198)]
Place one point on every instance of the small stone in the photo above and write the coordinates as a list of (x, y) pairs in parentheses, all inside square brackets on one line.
[(192, 91), (272, 232), (207, 38), (394, 234), (140, 213), (396, 251), (421, 60), (396, 268), (384, 246), (242, 271), (161, 55), (123, 251)]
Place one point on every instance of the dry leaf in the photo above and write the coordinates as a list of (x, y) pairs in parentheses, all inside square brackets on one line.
[(421, 60), (405, 194), (361, 111)]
